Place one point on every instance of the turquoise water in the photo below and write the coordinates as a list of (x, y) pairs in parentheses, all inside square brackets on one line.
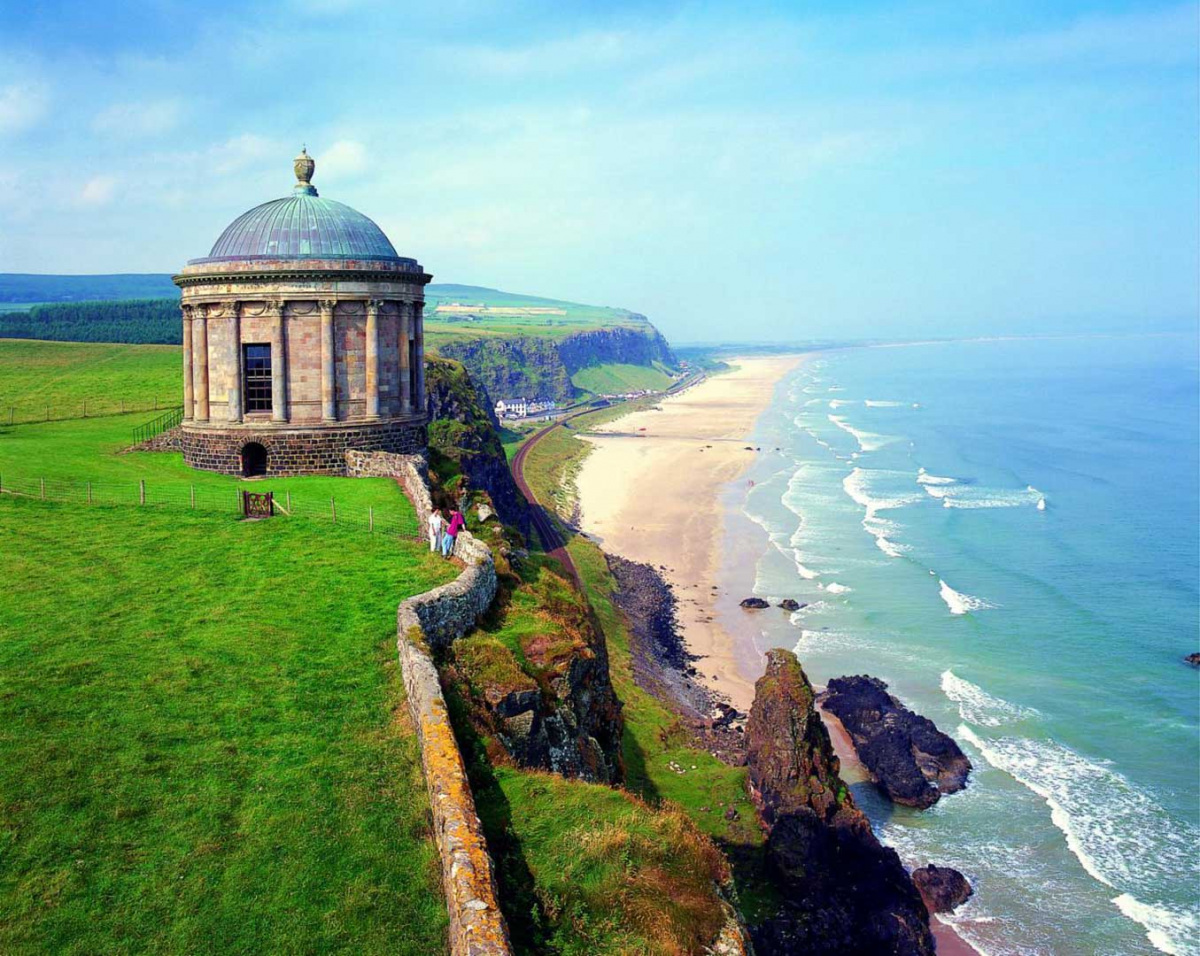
[(1007, 532)]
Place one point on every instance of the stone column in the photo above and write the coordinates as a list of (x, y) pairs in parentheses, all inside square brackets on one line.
[(419, 334), (328, 369), (235, 361), (372, 359), (200, 365), (279, 387), (188, 397), (405, 336)]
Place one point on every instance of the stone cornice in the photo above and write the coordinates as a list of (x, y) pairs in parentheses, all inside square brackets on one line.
[(281, 276)]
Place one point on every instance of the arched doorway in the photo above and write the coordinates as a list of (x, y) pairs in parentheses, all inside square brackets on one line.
[(254, 459)]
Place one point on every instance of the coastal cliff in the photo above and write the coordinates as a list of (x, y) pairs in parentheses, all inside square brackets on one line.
[(542, 366), (844, 893), (535, 681), (463, 442)]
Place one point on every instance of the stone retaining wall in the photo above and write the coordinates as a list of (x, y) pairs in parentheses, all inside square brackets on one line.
[(434, 619)]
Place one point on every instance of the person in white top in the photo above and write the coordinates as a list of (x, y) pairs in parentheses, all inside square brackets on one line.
[(435, 530)]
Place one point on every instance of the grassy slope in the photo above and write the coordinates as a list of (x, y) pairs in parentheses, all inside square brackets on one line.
[(200, 741), (64, 375), (616, 379), (583, 868)]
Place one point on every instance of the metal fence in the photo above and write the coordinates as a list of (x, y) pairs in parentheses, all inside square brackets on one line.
[(31, 413), (158, 425), (184, 496)]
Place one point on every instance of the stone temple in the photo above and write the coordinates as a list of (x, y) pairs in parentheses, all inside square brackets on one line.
[(302, 337)]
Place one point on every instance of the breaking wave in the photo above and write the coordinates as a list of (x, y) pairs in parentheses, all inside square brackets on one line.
[(870, 403), (857, 486), (867, 441), (960, 603), (978, 706), (925, 478), (834, 588), (1120, 835)]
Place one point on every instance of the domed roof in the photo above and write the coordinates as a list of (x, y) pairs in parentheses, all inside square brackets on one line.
[(302, 226)]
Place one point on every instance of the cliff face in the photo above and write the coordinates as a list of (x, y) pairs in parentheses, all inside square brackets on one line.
[(462, 435), (541, 367), (845, 894), (537, 684)]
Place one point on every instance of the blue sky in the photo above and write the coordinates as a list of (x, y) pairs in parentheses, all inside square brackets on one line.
[(732, 170)]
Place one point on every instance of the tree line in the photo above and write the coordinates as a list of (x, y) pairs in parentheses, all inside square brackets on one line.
[(133, 321)]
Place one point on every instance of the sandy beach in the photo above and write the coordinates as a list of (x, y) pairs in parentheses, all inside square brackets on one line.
[(665, 508)]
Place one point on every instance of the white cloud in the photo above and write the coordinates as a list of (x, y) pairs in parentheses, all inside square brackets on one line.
[(241, 151), (342, 160), (22, 105), (98, 191), (138, 119)]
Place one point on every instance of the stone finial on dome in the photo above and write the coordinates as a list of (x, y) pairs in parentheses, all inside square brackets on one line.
[(304, 166)]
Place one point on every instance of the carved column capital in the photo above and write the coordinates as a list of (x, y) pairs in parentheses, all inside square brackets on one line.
[(327, 305)]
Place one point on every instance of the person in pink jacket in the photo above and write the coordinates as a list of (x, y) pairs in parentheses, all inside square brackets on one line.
[(457, 523)]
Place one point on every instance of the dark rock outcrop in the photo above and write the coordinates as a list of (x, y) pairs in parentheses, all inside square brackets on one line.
[(541, 367), (662, 664), (755, 603), (463, 437), (844, 893), (791, 604), (942, 888), (1193, 659), (913, 762)]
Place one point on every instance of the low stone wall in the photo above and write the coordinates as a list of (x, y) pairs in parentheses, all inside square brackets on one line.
[(477, 926), (163, 441), (412, 471), (434, 619)]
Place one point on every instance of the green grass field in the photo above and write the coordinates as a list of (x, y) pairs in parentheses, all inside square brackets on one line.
[(202, 740), (63, 376), (617, 379)]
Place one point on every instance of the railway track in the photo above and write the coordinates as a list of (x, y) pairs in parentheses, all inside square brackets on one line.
[(552, 538)]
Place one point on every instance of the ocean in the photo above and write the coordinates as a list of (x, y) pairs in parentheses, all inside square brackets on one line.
[(1006, 531)]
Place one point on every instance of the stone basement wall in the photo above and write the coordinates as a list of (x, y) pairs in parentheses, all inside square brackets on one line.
[(297, 451), (436, 618)]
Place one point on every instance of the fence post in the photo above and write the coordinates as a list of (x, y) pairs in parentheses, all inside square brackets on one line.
[(42, 486), (333, 509), (192, 489), (141, 491), (89, 492), (370, 518)]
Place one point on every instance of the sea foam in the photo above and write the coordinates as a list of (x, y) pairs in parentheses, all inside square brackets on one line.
[(857, 485), (960, 603), (1120, 835), (978, 706), (867, 441)]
